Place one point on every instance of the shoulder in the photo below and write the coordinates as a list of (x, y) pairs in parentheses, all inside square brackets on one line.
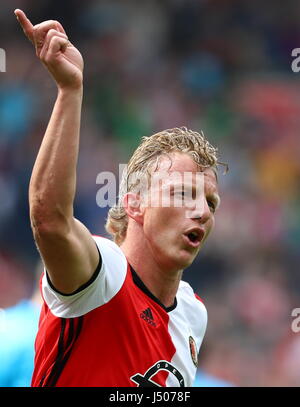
[(187, 292), (110, 252), (192, 303), (106, 245)]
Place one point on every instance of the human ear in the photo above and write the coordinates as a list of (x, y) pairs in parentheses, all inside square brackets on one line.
[(133, 208)]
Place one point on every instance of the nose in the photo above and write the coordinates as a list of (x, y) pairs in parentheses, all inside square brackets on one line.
[(201, 213)]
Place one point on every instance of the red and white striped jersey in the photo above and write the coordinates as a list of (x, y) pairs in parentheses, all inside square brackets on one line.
[(114, 332)]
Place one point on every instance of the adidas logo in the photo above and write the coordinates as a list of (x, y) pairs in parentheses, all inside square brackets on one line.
[(147, 316)]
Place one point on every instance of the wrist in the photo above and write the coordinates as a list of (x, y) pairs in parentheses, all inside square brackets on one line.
[(70, 91)]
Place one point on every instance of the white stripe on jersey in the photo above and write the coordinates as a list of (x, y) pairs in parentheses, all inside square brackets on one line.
[(189, 318)]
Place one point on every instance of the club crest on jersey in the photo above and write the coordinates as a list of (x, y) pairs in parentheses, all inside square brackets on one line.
[(145, 379), (193, 350)]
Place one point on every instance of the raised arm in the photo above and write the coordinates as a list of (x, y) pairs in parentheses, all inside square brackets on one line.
[(66, 246)]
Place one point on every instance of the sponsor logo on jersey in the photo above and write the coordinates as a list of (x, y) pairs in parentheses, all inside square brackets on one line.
[(193, 349), (147, 316), (144, 380)]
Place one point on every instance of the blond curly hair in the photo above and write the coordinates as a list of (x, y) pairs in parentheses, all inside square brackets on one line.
[(146, 156)]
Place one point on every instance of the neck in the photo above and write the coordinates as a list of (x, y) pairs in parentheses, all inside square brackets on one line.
[(160, 280)]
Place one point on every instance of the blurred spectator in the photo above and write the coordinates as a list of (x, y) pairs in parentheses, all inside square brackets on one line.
[(18, 329), (204, 379)]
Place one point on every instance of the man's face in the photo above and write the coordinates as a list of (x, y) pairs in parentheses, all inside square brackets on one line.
[(180, 214)]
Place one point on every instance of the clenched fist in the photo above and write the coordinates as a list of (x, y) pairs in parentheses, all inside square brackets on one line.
[(54, 49)]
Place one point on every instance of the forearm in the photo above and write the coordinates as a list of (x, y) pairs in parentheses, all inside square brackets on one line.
[(53, 181)]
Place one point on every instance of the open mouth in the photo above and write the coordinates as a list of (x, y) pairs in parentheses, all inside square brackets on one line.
[(194, 237)]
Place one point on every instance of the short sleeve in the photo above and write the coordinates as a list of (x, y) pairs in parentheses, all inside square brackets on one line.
[(100, 290)]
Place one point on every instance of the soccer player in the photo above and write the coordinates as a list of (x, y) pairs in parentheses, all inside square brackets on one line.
[(116, 312)]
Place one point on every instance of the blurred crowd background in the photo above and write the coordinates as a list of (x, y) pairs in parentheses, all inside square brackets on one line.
[(223, 66)]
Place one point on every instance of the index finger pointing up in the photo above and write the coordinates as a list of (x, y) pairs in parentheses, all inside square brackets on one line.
[(25, 23)]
